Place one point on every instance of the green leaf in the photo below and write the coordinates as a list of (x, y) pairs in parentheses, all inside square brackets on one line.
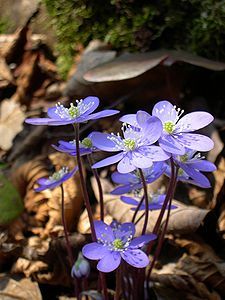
[(11, 205)]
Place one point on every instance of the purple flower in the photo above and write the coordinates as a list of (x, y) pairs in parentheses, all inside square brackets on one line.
[(132, 181), (81, 268), (135, 147), (55, 179), (155, 202), (116, 242), (79, 113), (190, 164), (86, 146), (177, 131)]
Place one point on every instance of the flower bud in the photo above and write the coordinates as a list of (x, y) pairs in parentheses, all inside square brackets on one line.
[(81, 268)]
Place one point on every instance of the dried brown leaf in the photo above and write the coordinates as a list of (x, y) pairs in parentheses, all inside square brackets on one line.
[(184, 219), (28, 267), (204, 270), (5, 73), (186, 286), (23, 289), (44, 208), (26, 73), (11, 122)]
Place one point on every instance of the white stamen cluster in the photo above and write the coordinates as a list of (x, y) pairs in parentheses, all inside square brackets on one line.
[(131, 142), (58, 175), (169, 126), (117, 244), (73, 111)]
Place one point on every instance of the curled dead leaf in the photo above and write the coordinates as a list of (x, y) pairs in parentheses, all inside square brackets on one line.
[(184, 219), (205, 271), (23, 289), (11, 121), (131, 65)]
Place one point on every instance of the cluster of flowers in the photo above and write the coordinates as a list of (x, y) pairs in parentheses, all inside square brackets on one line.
[(147, 143)]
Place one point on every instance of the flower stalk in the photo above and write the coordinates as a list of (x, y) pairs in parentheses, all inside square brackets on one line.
[(146, 201), (98, 181), (83, 185), (68, 245)]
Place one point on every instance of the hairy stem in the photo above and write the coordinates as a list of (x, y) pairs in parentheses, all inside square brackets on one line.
[(100, 191), (137, 209), (87, 204), (170, 191), (170, 194), (83, 184), (146, 201), (68, 245)]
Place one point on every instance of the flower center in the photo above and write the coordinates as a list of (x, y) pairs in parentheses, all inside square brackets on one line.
[(118, 244), (184, 158), (180, 172), (129, 144), (73, 111), (58, 175), (87, 143), (168, 127)]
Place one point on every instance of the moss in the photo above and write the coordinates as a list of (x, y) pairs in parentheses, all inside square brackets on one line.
[(4, 25), (139, 25)]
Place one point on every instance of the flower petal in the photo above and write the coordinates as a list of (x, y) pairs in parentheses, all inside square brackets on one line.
[(155, 153), (123, 178), (135, 258), (91, 103), (94, 250), (67, 145), (109, 262), (103, 114), (171, 145), (122, 189), (125, 165), (38, 121), (143, 118), (196, 141), (103, 141), (103, 231), (151, 129), (165, 111), (129, 200), (201, 179), (202, 165), (52, 113), (193, 121), (109, 161), (142, 240), (141, 161), (128, 227), (130, 119)]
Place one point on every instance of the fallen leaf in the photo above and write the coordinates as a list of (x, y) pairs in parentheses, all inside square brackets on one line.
[(23, 289), (184, 219), (131, 65), (11, 122), (205, 271)]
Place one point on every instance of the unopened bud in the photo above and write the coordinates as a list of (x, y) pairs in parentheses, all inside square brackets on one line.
[(81, 268)]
